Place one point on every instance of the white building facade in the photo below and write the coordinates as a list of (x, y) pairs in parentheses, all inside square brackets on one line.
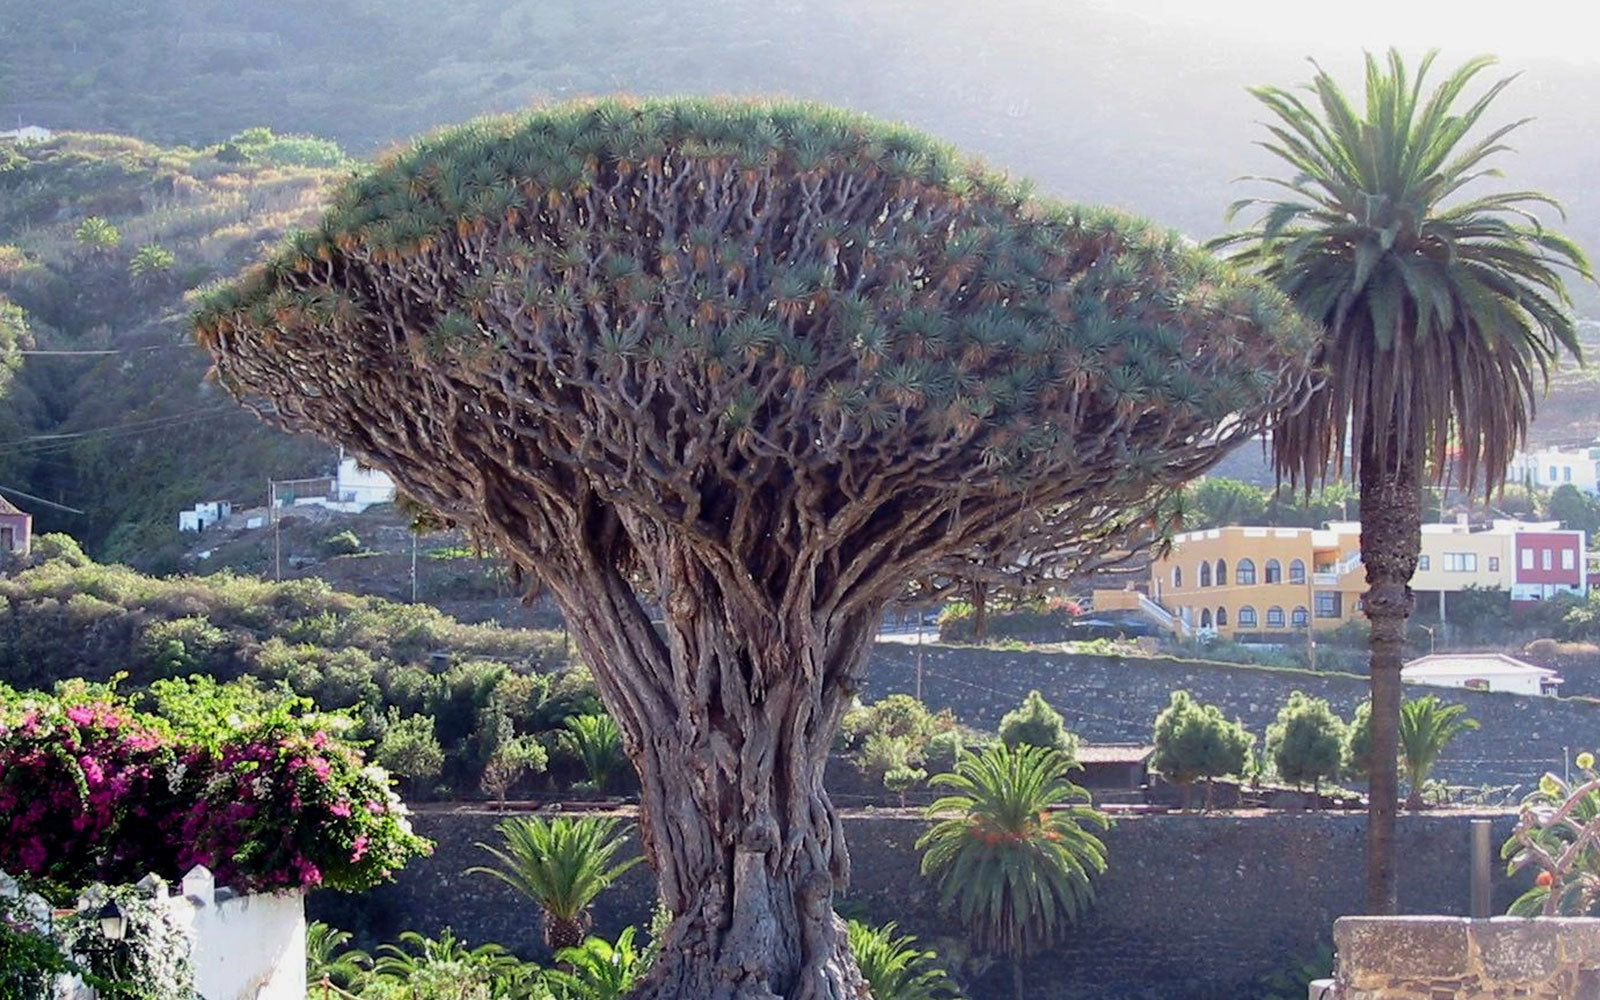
[(1481, 672), (1551, 467)]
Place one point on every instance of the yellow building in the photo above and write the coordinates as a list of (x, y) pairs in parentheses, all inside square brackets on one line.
[(1247, 582), (1262, 584)]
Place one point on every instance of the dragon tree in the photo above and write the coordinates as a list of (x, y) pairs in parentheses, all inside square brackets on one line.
[(725, 377)]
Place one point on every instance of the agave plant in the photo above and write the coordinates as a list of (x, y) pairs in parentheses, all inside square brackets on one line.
[(895, 968), (1010, 850), (561, 864), (597, 969), (329, 959)]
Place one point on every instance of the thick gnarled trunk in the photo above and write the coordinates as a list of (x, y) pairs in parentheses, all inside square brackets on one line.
[(1391, 538), (729, 714)]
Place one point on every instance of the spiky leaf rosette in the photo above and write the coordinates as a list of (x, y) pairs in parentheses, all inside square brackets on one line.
[(799, 337)]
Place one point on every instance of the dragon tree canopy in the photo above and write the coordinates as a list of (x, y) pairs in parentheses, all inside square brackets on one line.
[(766, 362)]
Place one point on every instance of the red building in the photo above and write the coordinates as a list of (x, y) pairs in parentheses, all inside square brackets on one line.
[(1548, 563)]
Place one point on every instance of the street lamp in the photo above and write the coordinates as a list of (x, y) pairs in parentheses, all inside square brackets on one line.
[(112, 923), (1431, 644)]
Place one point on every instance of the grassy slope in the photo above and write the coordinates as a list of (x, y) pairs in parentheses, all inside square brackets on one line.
[(156, 436)]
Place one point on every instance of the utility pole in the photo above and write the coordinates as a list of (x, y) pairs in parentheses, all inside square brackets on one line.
[(413, 566), (277, 540)]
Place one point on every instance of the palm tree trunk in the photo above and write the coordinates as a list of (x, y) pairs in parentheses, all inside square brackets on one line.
[(980, 611), (1391, 538)]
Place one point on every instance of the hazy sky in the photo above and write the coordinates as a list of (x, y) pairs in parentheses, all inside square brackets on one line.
[(1569, 29)]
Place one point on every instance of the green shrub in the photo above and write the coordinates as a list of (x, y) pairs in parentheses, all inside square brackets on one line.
[(343, 543), (1306, 743), (1035, 723), (410, 749)]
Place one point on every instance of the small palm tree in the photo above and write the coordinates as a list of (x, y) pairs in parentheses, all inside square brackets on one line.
[(895, 968), (561, 864), (1442, 313), (597, 969), (328, 957), (428, 965), (597, 741), (1427, 725), (1011, 859)]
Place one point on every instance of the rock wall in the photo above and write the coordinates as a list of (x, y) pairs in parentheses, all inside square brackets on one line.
[(1116, 699), (1193, 907), (1422, 958)]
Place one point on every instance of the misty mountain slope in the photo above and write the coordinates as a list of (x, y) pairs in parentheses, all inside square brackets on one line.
[(1091, 101)]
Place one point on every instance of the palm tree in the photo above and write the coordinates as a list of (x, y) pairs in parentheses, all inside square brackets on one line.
[(329, 957), (895, 968), (1441, 311), (598, 969), (1427, 725), (1012, 860), (597, 741), (561, 864)]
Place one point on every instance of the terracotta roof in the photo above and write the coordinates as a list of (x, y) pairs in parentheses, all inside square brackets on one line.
[(1114, 753)]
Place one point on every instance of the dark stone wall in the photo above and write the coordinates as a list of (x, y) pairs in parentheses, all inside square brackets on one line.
[(1193, 907), (1116, 699)]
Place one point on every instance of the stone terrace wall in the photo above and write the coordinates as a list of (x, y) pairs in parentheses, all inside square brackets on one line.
[(1116, 699), (1422, 958), (1193, 907)]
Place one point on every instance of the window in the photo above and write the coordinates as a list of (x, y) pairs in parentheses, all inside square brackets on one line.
[(1422, 562), (1527, 559), (1460, 562), (1544, 560), (1205, 618), (1274, 618), (1552, 473), (1566, 473), (1274, 571), (1569, 559), (1205, 574), (1300, 618), (1247, 617), (1177, 578), (1222, 617), (1494, 564), (1222, 572), (1327, 603), (1297, 571), (1245, 574)]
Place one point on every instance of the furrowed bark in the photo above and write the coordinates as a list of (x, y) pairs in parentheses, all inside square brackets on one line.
[(1391, 538), (739, 705)]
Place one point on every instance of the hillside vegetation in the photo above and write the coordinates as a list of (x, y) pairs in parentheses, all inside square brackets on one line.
[(101, 239)]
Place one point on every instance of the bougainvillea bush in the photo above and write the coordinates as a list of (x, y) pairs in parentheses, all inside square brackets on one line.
[(92, 790)]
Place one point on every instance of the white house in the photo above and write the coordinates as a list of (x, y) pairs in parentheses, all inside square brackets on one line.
[(1481, 672), (204, 515), (1552, 467), (356, 484), (28, 133)]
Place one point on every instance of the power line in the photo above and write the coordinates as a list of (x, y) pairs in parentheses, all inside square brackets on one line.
[(47, 353), (47, 503)]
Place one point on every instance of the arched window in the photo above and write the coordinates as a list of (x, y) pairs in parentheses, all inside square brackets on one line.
[(1274, 618), (1222, 572), (1297, 572), (1300, 618), (1205, 618), (1245, 573), (1205, 574), (1247, 617), (1177, 578), (1222, 617), (1274, 570)]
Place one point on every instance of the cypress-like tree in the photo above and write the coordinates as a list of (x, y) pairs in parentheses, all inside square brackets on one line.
[(750, 368)]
